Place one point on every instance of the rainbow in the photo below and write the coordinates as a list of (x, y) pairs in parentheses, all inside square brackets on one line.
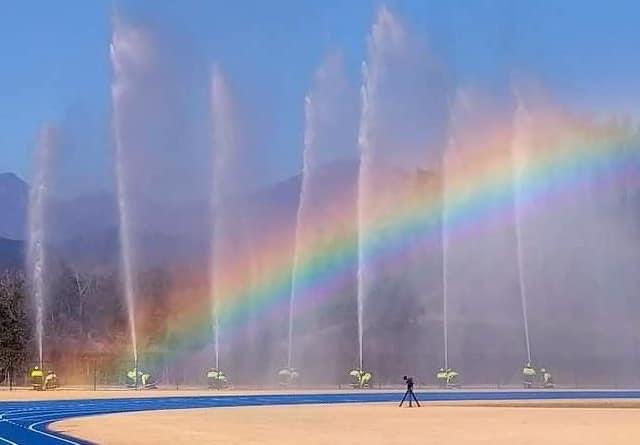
[(554, 157)]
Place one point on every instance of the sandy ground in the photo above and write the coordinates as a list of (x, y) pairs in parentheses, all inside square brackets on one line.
[(566, 423)]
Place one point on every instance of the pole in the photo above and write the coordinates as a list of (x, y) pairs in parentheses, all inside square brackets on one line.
[(95, 375)]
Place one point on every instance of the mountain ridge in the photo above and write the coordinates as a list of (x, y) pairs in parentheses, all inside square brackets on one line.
[(85, 228)]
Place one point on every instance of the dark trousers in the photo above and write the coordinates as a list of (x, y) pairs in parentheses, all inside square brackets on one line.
[(411, 396)]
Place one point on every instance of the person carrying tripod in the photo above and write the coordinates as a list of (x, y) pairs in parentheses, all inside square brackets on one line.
[(410, 393)]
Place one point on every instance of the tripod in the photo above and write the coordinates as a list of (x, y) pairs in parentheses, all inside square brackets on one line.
[(409, 393)]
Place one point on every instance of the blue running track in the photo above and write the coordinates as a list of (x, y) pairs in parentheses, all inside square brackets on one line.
[(26, 422)]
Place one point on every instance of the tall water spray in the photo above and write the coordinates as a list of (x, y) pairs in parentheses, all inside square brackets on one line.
[(520, 123), (444, 239), (128, 59), (302, 205), (403, 124), (37, 239), (365, 159), (224, 144), (445, 278), (386, 40), (331, 113)]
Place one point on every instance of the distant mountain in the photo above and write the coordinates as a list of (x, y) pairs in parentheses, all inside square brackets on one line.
[(11, 254), (14, 196), (84, 229), (81, 216)]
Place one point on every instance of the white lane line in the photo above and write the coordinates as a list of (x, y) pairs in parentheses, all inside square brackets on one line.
[(2, 439), (54, 416), (54, 410), (260, 400), (55, 413), (32, 428), (14, 411), (5, 440)]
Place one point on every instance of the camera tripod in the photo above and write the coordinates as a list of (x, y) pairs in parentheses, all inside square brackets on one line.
[(409, 393)]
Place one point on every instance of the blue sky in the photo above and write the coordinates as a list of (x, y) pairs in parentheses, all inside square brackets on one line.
[(55, 64)]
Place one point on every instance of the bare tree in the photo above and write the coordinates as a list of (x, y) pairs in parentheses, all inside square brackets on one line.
[(15, 326)]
